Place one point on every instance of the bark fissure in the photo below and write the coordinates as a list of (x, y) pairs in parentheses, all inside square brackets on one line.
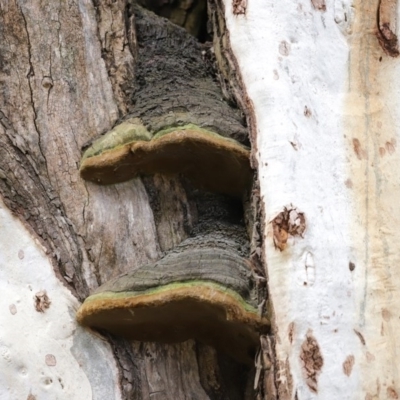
[(30, 74)]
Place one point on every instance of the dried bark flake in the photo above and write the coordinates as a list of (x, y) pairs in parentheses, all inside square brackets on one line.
[(319, 5), (387, 26), (42, 301), (239, 7), (348, 365), (288, 222), (312, 361)]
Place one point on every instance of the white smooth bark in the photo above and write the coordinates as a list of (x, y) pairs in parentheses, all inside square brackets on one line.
[(44, 355), (325, 97)]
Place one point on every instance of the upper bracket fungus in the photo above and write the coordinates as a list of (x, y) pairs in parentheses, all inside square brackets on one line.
[(179, 122), (210, 161), (202, 290)]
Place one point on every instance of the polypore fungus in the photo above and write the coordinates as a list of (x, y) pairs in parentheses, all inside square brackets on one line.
[(202, 290), (209, 160)]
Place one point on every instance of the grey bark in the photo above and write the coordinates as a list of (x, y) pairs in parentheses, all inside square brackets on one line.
[(69, 71)]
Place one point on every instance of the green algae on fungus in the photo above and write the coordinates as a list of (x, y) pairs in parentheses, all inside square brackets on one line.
[(173, 286), (127, 132), (193, 127), (212, 162)]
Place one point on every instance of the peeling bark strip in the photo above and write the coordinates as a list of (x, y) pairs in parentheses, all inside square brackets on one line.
[(319, 5), (268, 359), (312, 361), (387, 24)]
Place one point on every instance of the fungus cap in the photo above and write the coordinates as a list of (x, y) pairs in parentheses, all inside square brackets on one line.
[(177, 312), (198, 291), (211, 161)]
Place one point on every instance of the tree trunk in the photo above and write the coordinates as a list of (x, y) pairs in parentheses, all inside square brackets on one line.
[(310, 85), (70, 71)]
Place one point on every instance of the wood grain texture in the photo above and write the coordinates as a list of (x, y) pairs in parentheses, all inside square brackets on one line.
[(67, 73)]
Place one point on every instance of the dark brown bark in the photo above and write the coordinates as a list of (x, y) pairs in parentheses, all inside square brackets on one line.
[(69, 71)]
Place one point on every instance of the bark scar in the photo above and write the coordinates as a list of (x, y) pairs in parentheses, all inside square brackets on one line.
[(290, 221), (239, 7), (42, 301), (312, 361), (387, 24), (319, 5)]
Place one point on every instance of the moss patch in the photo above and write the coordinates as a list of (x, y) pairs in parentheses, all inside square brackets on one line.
[(128, 131), (172, 286), (193, 127)]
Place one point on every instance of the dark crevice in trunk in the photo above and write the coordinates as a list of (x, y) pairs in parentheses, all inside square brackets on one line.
[(173, 84)]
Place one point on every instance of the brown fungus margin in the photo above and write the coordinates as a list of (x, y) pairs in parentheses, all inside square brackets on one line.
[(174, 313), (210, 161)]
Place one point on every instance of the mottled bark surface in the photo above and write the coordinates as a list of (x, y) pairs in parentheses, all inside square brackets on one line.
[(67, 73)]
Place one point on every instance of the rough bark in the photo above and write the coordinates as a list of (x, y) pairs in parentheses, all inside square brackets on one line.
[(68, 74)]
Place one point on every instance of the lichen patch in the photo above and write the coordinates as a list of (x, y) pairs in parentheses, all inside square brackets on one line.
[(312, 361)]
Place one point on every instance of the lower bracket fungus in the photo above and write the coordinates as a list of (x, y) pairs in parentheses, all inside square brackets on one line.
[(202, 290), (209, 160)]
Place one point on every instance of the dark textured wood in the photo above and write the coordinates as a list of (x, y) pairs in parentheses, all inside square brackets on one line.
[(216, 256), (173, 83), (190, 14)]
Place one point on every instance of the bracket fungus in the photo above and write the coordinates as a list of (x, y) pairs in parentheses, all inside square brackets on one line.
[(179, 122), (209, 160), (202, 290)]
